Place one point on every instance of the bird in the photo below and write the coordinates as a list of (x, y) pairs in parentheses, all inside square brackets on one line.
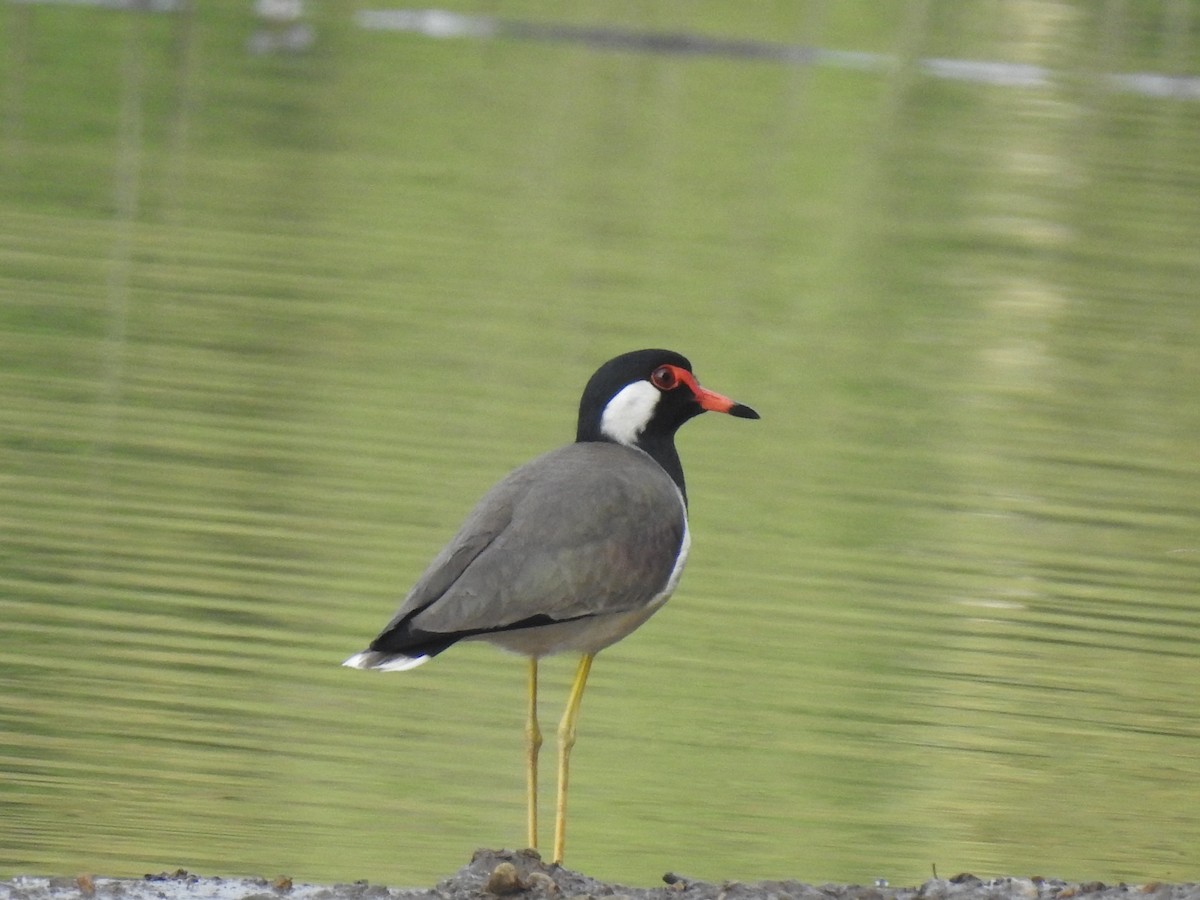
[(570, 552)]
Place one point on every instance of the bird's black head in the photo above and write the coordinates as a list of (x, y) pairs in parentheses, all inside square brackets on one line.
[(641, 398)]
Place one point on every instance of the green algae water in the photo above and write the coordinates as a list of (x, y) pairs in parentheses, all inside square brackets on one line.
[(278, 305)]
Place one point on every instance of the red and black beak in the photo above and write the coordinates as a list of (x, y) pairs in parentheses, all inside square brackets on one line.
[(715, 402), (710, 400)]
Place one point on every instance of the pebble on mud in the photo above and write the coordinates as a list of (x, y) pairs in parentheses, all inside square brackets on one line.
[(505, 880)]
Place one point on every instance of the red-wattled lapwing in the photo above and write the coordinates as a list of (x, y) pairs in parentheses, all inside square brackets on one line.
[(571, 551)]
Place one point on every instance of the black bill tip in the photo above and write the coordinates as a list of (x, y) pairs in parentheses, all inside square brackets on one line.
[(742, 411)]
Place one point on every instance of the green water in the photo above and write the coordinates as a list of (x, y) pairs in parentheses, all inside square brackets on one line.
[(270, 324)]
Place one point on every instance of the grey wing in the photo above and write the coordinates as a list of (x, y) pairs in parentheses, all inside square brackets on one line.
[(591, 529)]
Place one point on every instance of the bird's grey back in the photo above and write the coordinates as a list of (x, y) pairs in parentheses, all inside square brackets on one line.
[(588, 529)]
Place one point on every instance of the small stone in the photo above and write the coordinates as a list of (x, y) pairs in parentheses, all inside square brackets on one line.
[(540, 881), (283, 884), (504, 880), (1023, 887)]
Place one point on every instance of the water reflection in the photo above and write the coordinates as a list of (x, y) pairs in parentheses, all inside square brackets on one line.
[(438, 23)]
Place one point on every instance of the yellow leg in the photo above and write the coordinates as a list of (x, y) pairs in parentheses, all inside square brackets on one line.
[(533, 736), (566, 740)]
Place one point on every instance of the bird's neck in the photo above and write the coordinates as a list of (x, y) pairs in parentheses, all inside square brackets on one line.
[(660, 447), (663, 452)]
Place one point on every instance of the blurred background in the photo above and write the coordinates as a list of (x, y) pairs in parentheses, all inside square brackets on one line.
[(284, 287)]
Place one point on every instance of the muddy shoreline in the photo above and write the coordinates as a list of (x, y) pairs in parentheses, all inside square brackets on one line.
[(522, 875)]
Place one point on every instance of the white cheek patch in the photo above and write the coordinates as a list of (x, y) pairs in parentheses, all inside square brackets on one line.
[(629, 412)]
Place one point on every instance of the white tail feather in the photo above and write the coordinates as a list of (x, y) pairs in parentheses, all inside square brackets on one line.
[(384, 662)]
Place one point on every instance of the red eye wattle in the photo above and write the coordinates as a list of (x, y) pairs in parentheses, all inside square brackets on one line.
[(664, 378)]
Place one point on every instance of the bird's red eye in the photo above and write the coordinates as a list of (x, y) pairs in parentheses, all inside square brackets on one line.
[(664, 378)]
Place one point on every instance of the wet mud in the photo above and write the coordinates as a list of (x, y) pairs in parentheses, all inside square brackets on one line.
[(522, 875)]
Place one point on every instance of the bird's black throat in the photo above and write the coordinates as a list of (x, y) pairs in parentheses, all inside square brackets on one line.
[(662, 450)]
